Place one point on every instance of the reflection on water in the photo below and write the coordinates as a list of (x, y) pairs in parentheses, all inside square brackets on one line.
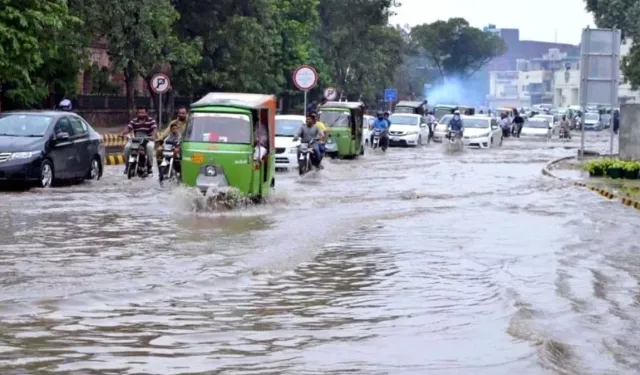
[(410, 262)]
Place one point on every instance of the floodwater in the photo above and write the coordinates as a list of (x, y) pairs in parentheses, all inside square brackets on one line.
[(413, 262)]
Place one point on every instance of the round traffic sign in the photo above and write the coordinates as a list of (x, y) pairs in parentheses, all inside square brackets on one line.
[(330, 93), (305, 77), (160, 83)]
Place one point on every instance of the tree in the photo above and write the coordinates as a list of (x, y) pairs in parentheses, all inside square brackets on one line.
[(454, 47), (624, 15), (140, 37), (357, 44), (36, 37)]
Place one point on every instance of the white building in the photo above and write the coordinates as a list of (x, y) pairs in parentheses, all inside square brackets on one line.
[(504, 89)]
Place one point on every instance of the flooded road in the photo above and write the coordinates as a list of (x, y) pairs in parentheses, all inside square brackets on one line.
[(414, 262)]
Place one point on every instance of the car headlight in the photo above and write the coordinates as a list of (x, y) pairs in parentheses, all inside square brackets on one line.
[(210, 171), (24, 155), (482, 135)]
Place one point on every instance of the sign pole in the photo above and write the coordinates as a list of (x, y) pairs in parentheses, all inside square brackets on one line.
[(583, 100), (614, 97), (159, 111), (305, 102)]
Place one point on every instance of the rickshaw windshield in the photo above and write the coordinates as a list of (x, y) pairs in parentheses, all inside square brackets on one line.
[(219, 128), (335, 119), (406, 110)]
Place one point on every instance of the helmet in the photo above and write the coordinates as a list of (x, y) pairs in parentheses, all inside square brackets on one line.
[(379, 114), (65, 105), (456, 112)]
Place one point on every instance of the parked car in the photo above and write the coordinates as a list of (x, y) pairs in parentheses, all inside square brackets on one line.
[(44, 147), (286, 149), (408, 129), (552, 121)]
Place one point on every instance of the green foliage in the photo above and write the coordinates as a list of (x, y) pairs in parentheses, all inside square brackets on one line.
[(603, 165), (454, 47), (34, 56)]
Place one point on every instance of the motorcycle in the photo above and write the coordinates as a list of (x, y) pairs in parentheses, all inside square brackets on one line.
[(377, 134), (565, 133), (137, 163), (455, 141), (304, 158), (170, 166)]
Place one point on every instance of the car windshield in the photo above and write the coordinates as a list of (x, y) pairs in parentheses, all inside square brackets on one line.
[(405, 110), (536, 124), (445, 120), (287, 127), (219, 128), (592, 116), (403, 120), (334, 119), (439, 112), (480, 123), (24, 125)]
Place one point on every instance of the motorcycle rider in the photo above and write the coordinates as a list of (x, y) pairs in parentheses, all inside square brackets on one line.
[(386, 117), (565, 127), (455, 124), (431, 121), (65, 105), (504, 124), (180, 121), (518, 122), (323, 136), (310, 133), (174, 137), (142, 125), (381, 125)]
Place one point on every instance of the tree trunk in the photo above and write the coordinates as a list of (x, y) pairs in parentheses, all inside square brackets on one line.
[(130, 80)]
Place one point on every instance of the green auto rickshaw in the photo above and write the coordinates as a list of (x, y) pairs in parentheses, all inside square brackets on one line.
[(344, 128), (418, 108), (220, 150)]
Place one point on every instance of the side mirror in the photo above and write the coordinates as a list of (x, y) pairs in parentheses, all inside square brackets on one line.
[(62, 136)]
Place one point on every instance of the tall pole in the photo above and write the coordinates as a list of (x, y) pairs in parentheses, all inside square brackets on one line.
[(159, 111), (614, 96), (305, 103), (583, 92)]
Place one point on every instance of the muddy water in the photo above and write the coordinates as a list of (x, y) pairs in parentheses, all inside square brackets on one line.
[(412, 262)]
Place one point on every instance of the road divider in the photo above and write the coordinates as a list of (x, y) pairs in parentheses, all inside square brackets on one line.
[(115, 159), (603, 192), (113, 140)]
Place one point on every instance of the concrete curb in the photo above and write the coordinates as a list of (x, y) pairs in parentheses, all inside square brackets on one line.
[(604, 193), (113, 140), (115, 159)]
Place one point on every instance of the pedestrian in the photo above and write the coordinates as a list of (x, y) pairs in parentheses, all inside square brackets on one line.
[(616, 121)]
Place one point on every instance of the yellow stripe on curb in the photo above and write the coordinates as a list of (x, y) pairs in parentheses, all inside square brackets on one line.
[(605, 193), (115, 159), (113, 140)]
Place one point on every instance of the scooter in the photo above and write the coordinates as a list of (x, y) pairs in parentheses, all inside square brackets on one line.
[(137, 163), (455, 141), (377, 134), (169, 168)]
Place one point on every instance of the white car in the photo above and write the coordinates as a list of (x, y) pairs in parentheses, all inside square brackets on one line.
[(286, 149), (367, 127), (537, 127), (551, 119), (408, 129), (440, 131), (481, 131)]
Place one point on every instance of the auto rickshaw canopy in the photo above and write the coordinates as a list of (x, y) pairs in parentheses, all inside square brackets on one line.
[(349, 105), (240, 100)]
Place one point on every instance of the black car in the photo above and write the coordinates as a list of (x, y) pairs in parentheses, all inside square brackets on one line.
[(43, 147)]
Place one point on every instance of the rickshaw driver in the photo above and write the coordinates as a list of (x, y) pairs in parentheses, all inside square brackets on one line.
[(310, 133), (261, 141)]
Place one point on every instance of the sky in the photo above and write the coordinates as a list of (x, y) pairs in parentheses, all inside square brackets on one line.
[(537, 19)]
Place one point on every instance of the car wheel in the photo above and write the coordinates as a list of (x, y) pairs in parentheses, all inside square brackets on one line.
[(94, 169), (490, 144), (419, 140), (46, 174)]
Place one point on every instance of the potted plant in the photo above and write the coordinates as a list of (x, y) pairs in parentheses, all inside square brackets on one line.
[(631, 169), (615, 169)]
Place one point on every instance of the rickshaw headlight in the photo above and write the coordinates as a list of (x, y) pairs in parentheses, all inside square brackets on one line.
[(210, 171)]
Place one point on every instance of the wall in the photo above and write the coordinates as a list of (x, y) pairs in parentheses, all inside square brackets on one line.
[(629, 141), (504, 87), (566, 88)]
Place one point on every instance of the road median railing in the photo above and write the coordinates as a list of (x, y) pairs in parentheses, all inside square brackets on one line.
[(603, 192)]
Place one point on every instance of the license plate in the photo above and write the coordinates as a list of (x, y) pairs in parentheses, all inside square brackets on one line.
[(131, 159), (331, 147), (395, 138)]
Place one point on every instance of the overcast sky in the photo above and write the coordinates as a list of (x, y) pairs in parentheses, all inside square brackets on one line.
[(537, 19)]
